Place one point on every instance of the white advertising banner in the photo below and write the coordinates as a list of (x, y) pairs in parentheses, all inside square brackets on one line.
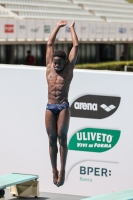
[(99, 30), (118, 33), (92, 30), (105, 31), (11, 29), (130, 27), (67, 30), (83, 32), (124, 31), (121, 31), (3, 28), (31, 29), (112, 31), (48, 27), (21, 29), (39, 27), (80, 29), (99, 138)]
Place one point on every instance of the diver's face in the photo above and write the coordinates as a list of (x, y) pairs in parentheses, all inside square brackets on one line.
[(58, 63)]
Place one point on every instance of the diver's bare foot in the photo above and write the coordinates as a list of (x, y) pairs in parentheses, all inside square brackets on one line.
[(55, 176), (61, 179)]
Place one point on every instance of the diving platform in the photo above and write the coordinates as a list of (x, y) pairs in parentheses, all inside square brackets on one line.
[(20, 185)]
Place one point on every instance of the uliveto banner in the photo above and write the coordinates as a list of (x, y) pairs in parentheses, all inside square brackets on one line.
[(100, 133), (94, 140)]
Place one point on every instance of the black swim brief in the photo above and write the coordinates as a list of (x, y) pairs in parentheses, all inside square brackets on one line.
[(56, 108)]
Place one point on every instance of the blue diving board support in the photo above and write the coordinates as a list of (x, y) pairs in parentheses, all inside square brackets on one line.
[(121, 195), (16, 180)]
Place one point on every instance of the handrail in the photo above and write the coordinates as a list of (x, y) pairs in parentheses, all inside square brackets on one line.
[(125, 67)]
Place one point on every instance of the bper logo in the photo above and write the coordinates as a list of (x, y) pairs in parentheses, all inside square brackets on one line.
[(95, 171), (94, 106)]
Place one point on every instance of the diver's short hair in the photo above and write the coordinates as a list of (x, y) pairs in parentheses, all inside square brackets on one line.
[(59, 53)]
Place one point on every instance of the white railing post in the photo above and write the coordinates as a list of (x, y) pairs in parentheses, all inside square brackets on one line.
[(125, 68)]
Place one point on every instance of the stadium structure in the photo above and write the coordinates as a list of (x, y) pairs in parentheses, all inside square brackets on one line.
[(104, 29)]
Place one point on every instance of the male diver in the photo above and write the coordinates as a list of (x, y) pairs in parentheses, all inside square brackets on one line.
[(59, 74)]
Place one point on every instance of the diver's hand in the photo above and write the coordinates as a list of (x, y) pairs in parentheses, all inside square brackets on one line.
[(72, 24), (62, 23)]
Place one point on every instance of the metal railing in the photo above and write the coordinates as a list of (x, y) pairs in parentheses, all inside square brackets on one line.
[(125, 67)]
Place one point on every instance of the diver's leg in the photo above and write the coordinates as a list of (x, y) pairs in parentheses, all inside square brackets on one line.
[(62, 129), (51, 127)]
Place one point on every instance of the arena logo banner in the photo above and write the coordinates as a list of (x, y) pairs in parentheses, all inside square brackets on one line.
[(94, 106), (94, 140)]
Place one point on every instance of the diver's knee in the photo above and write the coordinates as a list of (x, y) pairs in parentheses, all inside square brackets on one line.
[(63, 141), (52, 140)]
